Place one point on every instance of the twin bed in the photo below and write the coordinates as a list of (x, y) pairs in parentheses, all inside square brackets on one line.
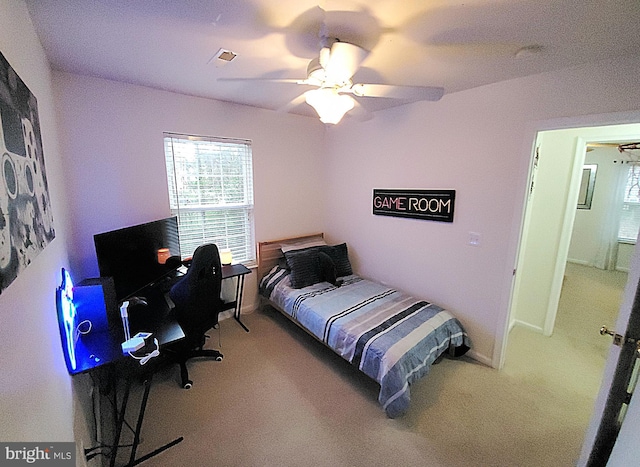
[(388, 335)]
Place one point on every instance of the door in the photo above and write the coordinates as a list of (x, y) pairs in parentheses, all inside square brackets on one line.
[(621, 375)]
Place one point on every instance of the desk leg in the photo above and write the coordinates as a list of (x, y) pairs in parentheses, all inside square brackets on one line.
[(239, 290), (136, 436), (143, 408), (156, 452), (120, 420)]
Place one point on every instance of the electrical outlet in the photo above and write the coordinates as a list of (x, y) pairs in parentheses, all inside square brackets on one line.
[(474, 238)]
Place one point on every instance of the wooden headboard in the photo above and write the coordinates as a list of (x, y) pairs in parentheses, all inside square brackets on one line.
[(269, 252)]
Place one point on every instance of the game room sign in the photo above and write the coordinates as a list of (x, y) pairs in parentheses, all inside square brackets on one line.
[(432, 205)]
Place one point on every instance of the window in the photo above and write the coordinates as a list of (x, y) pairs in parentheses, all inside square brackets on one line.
[(211, 191), (630, 215)]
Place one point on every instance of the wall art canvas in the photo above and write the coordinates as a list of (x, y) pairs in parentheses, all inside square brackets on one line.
[(26, 220)]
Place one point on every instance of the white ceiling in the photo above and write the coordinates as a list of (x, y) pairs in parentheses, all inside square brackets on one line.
[(454, 44)]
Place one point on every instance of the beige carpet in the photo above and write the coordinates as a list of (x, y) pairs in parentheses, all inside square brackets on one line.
[(281, 399)]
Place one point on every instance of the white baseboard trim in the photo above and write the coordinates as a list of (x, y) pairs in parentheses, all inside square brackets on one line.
[(245, 310), (225, 315), (480, 358), (531, 327)]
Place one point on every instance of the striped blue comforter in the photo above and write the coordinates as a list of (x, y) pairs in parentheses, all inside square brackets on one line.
[(390, 336)]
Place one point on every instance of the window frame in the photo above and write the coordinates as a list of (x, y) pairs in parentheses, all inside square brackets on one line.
[(228, 183), (630, 203)]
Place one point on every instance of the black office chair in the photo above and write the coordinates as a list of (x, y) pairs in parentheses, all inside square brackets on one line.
[(197, 305)]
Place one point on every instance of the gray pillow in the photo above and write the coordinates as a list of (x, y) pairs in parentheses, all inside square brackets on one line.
[(315, 264), (340, 256), (304, 266)]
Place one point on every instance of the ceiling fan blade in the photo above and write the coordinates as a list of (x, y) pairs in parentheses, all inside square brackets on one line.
[(603, 145), (267, 80), (415, 93), (292, 104), (344, 61), (360, 113)]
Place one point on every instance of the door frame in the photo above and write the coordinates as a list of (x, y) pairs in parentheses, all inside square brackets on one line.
[(515, 246), (521, 226)]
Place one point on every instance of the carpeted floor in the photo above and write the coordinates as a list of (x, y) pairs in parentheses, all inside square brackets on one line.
[(281, 399)]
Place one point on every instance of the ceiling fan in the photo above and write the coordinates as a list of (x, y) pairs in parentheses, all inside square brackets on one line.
[(622, 147), (331, 73)]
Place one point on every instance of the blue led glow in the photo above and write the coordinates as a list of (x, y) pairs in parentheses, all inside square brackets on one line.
[(68, 315)]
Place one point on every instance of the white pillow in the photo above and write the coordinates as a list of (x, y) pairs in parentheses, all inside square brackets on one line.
[(290, 246)]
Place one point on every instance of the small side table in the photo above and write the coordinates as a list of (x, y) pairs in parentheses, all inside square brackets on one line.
[(230, 271)]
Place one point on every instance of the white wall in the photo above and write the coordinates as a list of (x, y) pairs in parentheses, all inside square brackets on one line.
[(586, 238), (112, 139), (35, 390), (479, 143), (592, 230)]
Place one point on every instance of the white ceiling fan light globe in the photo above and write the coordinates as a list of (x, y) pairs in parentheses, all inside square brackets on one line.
[(329, 104)]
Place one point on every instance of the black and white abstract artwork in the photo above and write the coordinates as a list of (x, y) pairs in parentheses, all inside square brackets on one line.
[(26, 219)]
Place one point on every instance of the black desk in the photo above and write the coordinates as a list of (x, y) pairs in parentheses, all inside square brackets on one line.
[(100, 354), (230, 271), (96, 349)]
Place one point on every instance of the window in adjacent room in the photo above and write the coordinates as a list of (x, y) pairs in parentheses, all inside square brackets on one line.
[(211, 191), (630, 215)]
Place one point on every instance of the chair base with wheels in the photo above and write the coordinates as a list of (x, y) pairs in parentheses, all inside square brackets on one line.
[(184, 373), (182, 357)]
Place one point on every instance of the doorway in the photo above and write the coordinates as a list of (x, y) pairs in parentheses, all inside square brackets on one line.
[(550, 214), (542, 268)]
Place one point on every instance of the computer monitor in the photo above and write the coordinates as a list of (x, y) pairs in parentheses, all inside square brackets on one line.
[(134, 256)]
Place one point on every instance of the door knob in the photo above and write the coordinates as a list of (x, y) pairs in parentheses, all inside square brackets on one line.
[(604, 330), (617, 338)]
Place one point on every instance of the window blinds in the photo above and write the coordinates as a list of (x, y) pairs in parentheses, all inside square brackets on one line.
[(210, 183), (630, 214)]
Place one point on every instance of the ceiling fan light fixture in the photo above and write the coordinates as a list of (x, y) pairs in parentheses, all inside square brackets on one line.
[(329, 104)]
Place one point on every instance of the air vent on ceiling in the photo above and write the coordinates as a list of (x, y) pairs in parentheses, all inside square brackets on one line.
[(224, 55)]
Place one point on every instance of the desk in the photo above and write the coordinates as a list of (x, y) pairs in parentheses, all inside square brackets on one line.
[(101, 348), (230, 271), (100, 354)]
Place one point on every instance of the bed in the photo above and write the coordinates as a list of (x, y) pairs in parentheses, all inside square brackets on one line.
[(390, 336)]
